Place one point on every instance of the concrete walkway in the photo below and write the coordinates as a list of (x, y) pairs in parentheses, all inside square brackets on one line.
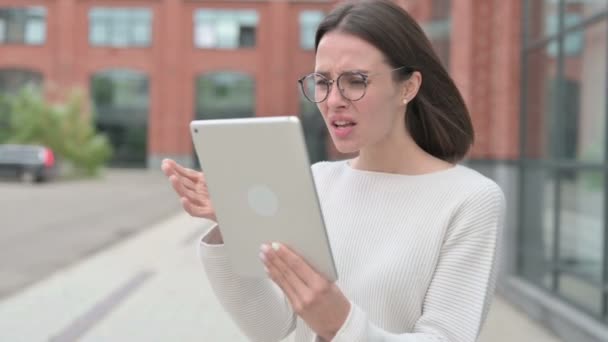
[(151, 287)]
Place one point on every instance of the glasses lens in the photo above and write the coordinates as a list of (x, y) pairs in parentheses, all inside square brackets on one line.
[(352, 85), (315, 87)]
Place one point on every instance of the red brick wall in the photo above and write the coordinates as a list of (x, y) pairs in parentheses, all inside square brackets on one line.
[(484, 61), (485, 64)]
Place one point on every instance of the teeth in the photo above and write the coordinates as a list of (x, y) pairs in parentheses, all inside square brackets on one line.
[(342, 123)]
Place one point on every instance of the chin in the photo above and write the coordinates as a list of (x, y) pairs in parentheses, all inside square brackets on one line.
[(346, 147)]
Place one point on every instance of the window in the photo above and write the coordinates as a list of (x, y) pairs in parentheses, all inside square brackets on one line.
[(563, 226), (13, 81), (573, 43), (23, 25), (439, 28), (121, 99), (584, 8), (315, 131), (225, 29), (309, 21), (225, 95), (120, 27)]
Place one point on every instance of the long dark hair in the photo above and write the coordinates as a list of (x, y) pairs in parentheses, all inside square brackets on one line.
[(437, 118)]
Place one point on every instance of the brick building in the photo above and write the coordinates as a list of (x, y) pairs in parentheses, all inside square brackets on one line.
[(532, 72), (152, 66)]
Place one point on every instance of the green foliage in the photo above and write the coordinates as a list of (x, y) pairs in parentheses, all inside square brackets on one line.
[(64, 128), (5, 119)]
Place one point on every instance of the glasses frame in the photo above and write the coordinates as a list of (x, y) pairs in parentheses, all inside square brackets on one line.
[(331, 82)]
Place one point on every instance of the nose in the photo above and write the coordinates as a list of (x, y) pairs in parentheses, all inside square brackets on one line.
[(335, 98)]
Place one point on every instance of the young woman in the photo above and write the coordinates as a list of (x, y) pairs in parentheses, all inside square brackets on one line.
[(414, 234)]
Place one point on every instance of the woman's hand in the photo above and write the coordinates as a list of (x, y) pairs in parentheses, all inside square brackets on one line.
[(191, 187), (319, 302)]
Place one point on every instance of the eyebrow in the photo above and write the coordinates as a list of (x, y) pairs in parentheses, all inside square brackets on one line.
[(327, 74)]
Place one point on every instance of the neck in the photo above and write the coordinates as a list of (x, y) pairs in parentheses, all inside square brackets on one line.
[(400, 155)]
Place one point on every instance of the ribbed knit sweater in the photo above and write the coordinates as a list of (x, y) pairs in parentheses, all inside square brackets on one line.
[(416, 256)]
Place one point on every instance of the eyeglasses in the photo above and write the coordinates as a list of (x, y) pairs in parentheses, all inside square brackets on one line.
[(352, 85)]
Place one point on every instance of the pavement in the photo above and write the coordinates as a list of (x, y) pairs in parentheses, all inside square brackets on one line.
[(151, 287), (46, 227)]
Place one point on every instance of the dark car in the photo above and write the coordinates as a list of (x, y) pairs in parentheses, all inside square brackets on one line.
[(28, 162)]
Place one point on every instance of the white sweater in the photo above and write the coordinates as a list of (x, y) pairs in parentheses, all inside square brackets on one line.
[(416, 257)]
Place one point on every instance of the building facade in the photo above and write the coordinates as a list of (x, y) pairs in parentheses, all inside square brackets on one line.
[(532, 72)]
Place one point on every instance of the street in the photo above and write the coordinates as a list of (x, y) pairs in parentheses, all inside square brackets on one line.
[(46, 227), (72, 263)]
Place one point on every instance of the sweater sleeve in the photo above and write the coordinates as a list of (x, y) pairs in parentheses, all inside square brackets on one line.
[(462, 287), (256, 305)]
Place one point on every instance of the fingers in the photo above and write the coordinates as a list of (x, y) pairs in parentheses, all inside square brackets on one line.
[(194, 209), (279, 279), (289, 271), (183, 191), (172, 167), (187, 183), (167, 167), (297, 265), (190, 186)]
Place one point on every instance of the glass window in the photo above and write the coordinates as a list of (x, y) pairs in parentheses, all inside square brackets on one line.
[(538, 226), (225, 95), (315, 131), (23, 25), (141, 27), (573, 42), (580, 292), (579, 132), (584, 8), (541, 97), (581, 237), (14, 80), (2, 31), (309, 21), (225, 29), (540, 13), (120, 27), (566, 119), (121, 102), (439, 28), (563, 230)]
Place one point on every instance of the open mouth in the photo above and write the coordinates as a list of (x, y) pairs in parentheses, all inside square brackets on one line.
[(343, 124)]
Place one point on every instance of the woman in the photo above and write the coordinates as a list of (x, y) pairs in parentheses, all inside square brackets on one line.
[(414, 235)]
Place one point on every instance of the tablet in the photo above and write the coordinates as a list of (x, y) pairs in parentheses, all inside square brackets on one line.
[(261, 186)]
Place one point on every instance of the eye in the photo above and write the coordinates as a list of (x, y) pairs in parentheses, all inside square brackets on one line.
[(354, 80)]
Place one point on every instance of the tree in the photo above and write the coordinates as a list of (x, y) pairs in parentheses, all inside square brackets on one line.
[(65, 128)]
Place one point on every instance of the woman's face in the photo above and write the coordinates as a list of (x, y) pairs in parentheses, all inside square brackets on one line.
[(377, 118)]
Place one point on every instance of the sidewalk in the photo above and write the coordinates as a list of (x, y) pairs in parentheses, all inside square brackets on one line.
[(151, 287)]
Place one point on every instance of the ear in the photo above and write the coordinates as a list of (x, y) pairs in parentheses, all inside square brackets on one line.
[(411, 87)]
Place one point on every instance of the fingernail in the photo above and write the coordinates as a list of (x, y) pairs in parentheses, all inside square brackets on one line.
[(275, 246), (262, 257), (264, 248)]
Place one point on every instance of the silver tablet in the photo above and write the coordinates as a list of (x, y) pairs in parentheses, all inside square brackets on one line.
[(261, 186)]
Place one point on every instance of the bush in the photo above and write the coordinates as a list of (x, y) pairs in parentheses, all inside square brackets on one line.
[(64, 128), (5, 119)]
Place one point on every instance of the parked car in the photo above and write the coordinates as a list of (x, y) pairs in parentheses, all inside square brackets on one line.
[(32, 163)]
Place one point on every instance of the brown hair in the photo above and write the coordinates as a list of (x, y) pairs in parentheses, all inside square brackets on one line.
[(437, 118)]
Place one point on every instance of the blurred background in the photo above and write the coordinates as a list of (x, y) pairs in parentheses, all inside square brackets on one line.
[(94, 94)]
